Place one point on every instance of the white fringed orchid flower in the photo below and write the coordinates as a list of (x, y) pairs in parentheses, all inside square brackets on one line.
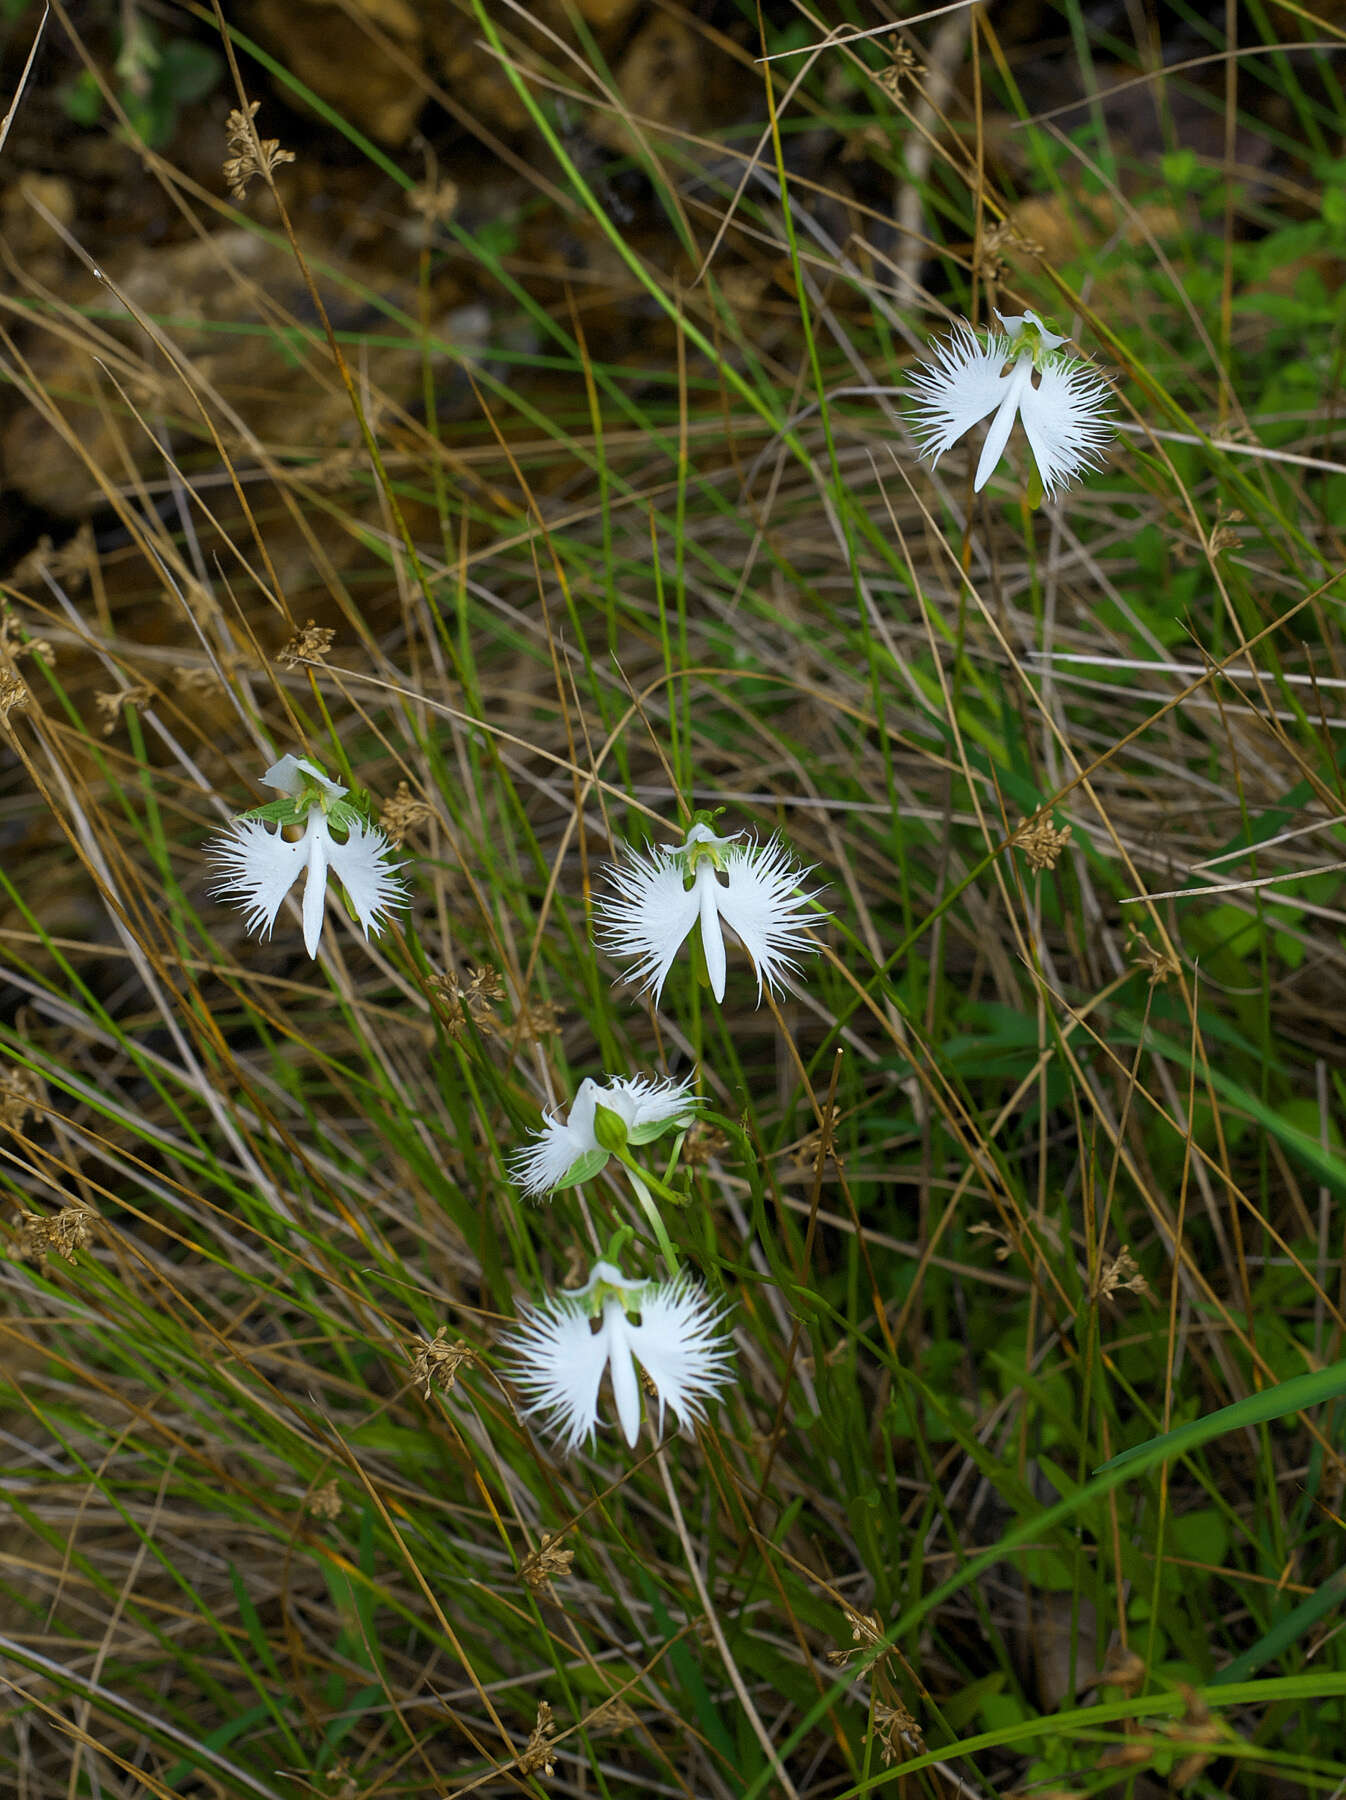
[(257, 865), (561, 1349), (1061, 401), (565, 1153), (752, 888)]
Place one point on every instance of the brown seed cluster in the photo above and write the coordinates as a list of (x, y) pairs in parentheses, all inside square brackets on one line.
[(543, 1565), (13, 693), (21, 1092), (539, 1758), (113, 705), (310, 646), (1122, 1275), (67, 563), (402, 813), (250, 155), (471, 999), (1041, 841), (866, 1635), (435, 1363), (17, 640), (435, 201), (897, 1731), (325, 1502), (1160, 964), (903, 67), (59, 1234)]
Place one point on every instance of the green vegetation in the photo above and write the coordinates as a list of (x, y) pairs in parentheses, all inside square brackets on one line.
[(592, 508)]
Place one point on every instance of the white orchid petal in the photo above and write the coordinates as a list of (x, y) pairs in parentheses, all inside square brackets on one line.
[(557, 1359), (1067, 421), (653, 1101), (1015, 322), (647, 916), (681, 1346), (256, 866), (292, 774), (760, 904), (712, 938), (1021, 382), (544, 1163), (622, 1369), (957, 390), (611, 1276), (370, 879), (315, 882), (580, 1118)]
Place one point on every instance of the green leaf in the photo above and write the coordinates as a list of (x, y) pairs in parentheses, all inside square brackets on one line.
[(82, 99), (584, 1168), (1295, 1395)]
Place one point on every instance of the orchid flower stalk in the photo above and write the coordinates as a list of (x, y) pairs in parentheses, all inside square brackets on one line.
[(562, 1349), (256, 864), (1018, 373)]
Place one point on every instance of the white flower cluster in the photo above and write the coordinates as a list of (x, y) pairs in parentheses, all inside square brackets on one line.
[(709, 889), (673, 1329)]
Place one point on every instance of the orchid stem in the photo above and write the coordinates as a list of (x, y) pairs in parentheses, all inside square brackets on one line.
[(652, 1213)]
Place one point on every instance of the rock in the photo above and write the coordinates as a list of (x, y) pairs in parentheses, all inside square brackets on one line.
[(286, 396), (34, 245), (467, 68), (606, 15), (662, 76), (354, 56)]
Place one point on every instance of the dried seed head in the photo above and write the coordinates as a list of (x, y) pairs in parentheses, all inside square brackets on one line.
[(807, 1151), (325, 1502), (1122, 1275), (435, 201), (113, 705), (903, 67), (341, 1783), (195, 678), (435, 1364), (1198, 1726), (310, 646), (66, 565), (21, 1092), (538, 1757), (13, 693), (897, 1732), (250, 155), (17, 640), (702, 1142), (471, 999), (541, 1566), (612, 1716), (533, 1021), (866, 1635), (402, 813), (60, 1234), (1159, 963), (1041, 841), (999, 239)]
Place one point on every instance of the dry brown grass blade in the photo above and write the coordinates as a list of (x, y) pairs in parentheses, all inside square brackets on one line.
[(13, 106)]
